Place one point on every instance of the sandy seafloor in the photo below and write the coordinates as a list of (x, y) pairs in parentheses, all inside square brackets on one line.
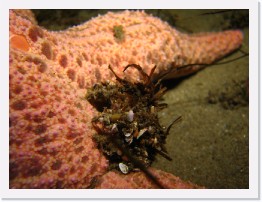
[(210, 146)]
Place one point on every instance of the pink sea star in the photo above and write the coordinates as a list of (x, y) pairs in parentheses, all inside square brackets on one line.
[(51, 142)]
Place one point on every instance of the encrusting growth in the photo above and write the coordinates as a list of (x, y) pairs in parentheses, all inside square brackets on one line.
[(129, 132)]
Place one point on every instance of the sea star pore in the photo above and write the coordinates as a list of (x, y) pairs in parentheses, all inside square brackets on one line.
[(51, 142)]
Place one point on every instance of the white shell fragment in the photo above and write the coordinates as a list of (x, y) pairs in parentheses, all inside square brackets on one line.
[(155, 140), (152, 109), (141, 132), (123, 167), (129, 139), (114, 128), (130, 115)]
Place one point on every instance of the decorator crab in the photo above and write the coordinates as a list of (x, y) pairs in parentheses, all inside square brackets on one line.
[(128, 128)]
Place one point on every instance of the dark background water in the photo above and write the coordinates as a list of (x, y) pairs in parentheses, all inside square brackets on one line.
[(210, 146), (186, 20)]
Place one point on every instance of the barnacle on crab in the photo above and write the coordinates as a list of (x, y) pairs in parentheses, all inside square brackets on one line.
[(127, 125)]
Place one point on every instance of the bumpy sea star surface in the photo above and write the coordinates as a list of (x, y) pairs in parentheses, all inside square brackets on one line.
[(51, 142)]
